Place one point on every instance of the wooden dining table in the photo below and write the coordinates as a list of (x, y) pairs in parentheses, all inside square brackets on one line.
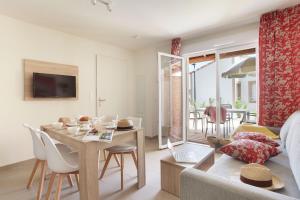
[(89, 156)]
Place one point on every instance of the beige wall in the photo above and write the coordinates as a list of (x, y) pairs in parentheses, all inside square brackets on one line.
[(20, 40)]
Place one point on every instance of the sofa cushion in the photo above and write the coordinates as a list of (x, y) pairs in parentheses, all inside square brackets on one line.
[(249, 151), (286, 127), (292, 147), (229, 168), (257, 137), (255, 128)]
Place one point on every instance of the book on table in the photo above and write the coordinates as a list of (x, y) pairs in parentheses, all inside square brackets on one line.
[(100, 136)]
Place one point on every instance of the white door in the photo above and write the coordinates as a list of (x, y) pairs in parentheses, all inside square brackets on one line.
[(171, 99), (112, 86)]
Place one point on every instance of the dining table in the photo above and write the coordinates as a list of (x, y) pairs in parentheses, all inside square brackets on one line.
[(232, 110), (89, 156)]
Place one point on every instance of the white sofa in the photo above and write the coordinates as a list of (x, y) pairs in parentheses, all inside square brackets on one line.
[(221, 181)]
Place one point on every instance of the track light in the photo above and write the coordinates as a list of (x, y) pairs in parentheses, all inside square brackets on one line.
[(107, 3)]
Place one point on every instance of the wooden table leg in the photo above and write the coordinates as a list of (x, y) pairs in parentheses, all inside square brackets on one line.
[(141, 172), (88, 171)]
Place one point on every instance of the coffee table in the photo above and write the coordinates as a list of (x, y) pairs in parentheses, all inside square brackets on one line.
[(170, 169)]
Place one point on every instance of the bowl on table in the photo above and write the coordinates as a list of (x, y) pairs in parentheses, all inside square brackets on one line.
[(57, 125), (73, 130)]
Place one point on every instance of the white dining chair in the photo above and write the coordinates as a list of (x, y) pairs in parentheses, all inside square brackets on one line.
[(60, 164), (137, 122), (40, 155)]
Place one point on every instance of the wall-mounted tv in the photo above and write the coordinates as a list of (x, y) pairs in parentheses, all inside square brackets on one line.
[(53, 86)]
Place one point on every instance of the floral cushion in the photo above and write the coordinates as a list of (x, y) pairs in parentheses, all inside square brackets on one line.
[(257, 137), (250, 151)]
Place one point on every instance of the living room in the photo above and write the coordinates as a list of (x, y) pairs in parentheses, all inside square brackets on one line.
[(194, 76)]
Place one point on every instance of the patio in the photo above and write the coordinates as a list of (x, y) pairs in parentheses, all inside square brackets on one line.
[(237, 90)]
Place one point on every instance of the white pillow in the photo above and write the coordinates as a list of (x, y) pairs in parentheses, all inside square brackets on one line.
[(286, 127), (293, 150)]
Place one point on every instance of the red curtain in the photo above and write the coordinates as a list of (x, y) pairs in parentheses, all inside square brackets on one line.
[(176, 46), (279, 62)]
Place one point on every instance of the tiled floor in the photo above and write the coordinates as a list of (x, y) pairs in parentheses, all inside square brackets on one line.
[(13, 180)]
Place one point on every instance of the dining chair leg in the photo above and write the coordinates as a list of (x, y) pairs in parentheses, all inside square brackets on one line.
[(50, 185), (59, 184), (77, 180), (105, 165), (36, 164), (206, 129), (70, 180), (134, 158), (42, 179), (117, 160), (122, 167), (104, 154)]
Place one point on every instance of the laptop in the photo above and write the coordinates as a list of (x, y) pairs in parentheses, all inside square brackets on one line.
[(182, 155)]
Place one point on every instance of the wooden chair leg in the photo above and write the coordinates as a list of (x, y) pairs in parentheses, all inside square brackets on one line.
[(117, 160), (59, 184), (105, 165), (134, 158), (122, 167), (42, 179), (104, 154), (70, 180), (50, 185), (29, 184), (77, 180)]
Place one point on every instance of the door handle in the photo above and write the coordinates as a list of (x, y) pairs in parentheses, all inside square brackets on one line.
[(101, 100)]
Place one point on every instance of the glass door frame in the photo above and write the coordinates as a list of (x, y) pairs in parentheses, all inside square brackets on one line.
[(161, 145), (218, 51)]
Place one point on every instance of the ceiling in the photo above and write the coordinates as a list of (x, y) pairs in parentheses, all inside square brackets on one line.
[(152, 21)]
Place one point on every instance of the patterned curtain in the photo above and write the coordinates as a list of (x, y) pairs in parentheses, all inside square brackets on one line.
[(176, 47), (279, 62)]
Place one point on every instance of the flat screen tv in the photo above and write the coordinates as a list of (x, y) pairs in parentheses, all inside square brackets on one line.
[(53, 86)]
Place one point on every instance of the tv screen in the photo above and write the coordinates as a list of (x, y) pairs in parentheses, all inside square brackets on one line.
[(52, 85)]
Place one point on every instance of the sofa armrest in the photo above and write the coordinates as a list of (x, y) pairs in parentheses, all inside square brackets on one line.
[(199, 185)]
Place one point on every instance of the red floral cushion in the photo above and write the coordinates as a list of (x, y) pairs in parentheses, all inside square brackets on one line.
[(257, 137), (250, 151)]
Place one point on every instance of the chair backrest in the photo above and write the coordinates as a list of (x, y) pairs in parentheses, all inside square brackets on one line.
[(55, 160), (211, 112), (38, 146), (227, 105), (137, 122), (108, 118)]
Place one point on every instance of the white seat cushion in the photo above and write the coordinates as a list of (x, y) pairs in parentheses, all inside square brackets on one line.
[(286, 127), (230, 168)]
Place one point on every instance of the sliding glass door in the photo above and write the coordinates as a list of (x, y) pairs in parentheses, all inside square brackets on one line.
[(171, 99), (201, 94), (221, 91)]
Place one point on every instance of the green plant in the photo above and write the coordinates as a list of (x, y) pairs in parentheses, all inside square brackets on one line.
[(240, 105)]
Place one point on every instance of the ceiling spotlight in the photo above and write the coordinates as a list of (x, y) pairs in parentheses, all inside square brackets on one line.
[(107, 3)]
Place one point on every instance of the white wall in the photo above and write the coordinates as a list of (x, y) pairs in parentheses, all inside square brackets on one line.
[(20, 40), (147, 90), (146, 66)]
